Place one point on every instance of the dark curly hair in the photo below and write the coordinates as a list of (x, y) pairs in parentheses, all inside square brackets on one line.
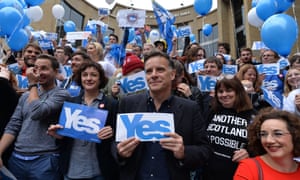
[(102, 78), (293, 126)]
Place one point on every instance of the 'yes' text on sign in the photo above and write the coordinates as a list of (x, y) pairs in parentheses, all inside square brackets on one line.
[(81, 122), (144, 126)]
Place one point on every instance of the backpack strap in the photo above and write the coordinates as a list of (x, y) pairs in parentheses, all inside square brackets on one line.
[(260, 171)]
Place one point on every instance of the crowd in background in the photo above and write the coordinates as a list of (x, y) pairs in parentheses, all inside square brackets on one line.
[(215, 130)]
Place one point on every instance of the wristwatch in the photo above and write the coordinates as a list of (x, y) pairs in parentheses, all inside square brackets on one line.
[(32, 85)]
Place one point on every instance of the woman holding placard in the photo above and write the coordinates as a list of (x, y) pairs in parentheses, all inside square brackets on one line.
[(82, 159), (227, 121)]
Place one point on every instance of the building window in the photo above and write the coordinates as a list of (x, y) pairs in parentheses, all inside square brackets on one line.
[(209, 43), (70, 14)]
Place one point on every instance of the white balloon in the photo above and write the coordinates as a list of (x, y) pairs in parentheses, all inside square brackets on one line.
[(109, 1), (58, 11), (253, 19), (154, 35), (35, 13)]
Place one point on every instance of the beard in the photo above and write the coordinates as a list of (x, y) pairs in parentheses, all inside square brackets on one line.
[(29, 62)]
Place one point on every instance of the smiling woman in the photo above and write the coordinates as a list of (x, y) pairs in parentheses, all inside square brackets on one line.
[(273, 137), (227, 121)]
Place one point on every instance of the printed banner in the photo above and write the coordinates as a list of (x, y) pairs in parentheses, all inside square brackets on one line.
[(144, 126), (14, 68), (131, 18), (22, 81), (79, 35), (103, 11), (229, 69), (206, 83), (283, 63), (134, 83), (268, 69), (273, 98), (196, 66), (45, 44), (81, 122)]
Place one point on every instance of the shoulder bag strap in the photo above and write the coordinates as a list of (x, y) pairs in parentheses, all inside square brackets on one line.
[(260, 171)]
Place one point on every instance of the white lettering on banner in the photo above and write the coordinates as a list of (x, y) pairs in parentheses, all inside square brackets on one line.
[(231, 143), (81, 123), (227, 130), (230, 120)]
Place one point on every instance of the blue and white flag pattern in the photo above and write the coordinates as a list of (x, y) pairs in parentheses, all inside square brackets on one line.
[(164, 20)]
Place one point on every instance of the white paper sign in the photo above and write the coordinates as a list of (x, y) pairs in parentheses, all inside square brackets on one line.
[(131, 18), (206, 83), (197, 65), (268, 69), (134, 83), (79, 35), (144, 126)]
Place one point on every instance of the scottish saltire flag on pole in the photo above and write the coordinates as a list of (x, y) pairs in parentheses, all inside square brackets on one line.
[(164, 21)]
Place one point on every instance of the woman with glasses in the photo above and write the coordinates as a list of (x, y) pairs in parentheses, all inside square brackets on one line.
[(274, 138), (228, 119)]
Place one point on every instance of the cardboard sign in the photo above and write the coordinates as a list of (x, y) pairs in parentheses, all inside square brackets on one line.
[(268, 69), (229, 69), (81, 122), (206, 83), (45, 44), (134, 83), (131, 18), (144, 126), (197, 65), (103, 11), (79, 35), (22, 81), (184, 31)]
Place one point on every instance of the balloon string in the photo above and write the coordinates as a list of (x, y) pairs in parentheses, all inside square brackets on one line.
[(294, 13), (16, 28)]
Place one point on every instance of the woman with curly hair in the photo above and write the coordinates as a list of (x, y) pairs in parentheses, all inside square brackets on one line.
[(274, 138)]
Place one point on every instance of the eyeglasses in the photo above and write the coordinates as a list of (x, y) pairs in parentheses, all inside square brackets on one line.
[(35, 52), (268, 55), (274, 134)]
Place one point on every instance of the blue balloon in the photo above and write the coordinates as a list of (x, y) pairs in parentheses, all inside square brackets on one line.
[(10, 20), (192, 38), (23, 3), (25, 20), (207, 29), (106, 39), (254, 3), (11, 3), (283, 5), (202, 7), (18, 40), (279, 33), (91, 27), (69, 26), (266, 8), (34, 2)]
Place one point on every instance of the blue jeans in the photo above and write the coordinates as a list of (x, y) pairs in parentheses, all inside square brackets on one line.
[(43, 167), (93, 178)]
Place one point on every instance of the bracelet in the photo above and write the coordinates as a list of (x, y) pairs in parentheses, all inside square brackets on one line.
[(32, 85)]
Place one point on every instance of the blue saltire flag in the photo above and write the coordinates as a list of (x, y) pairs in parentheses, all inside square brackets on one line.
[(164, 20), (274, 98)]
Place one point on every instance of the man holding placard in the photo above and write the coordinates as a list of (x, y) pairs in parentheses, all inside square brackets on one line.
[(168, 144)]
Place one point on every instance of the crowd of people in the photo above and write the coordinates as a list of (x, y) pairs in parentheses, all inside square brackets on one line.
[(228, 132)]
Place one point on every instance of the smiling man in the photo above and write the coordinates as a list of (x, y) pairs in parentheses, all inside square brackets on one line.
[(181, 151), (35, 153)]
